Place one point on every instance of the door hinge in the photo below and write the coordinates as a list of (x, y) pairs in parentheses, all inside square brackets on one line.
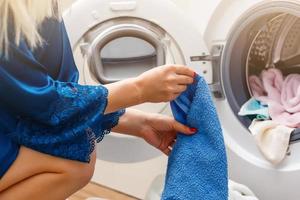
[(216, 87), (215, 59)]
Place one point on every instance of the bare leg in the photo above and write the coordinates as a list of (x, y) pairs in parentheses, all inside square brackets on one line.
[(39, 176), (46, 186)]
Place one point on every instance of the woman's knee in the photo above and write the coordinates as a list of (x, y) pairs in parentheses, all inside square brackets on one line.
[(74, 174), (80, 174)]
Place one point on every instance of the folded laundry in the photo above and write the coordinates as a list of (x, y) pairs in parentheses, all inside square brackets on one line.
[(272, 139), (254, 108), (240, 192), (281, 95), (197, 167)]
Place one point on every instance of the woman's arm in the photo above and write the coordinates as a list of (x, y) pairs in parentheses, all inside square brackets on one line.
[(161, 84), (158, 130), (47, 111), (131, 123)]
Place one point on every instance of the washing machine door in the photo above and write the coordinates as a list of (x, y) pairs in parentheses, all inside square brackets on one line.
[(118, 39)]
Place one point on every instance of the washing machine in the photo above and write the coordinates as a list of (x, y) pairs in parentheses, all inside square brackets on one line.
[(240, 37), (245, 36), (118, 39)]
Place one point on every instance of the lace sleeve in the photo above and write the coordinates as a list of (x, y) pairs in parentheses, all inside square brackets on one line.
[(75, 122)]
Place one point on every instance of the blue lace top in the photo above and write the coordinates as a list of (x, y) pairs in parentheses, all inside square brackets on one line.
[(43, 107)]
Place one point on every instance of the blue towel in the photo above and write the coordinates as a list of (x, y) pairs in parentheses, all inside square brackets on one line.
[(197, 167)]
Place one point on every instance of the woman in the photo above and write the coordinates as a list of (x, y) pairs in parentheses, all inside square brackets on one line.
[(50, 123)]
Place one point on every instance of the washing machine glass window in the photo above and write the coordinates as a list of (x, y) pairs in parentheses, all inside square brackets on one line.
[(266, 39), (127, 57), (124, 47)]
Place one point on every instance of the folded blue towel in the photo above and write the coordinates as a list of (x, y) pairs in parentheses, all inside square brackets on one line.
[(197, 167)]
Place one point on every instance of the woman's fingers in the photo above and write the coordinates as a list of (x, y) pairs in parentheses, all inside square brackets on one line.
[(167, 151), (180, 89), (184, 80), (183, 129), (160, 84), (168, 139), (172, 144), (184, 70)]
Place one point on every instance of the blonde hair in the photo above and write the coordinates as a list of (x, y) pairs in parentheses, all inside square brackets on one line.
[(23, 17)]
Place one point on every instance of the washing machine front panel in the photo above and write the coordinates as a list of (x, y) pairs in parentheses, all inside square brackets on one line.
[(83, 16), (97, 30), (242, 28), (197, 11)]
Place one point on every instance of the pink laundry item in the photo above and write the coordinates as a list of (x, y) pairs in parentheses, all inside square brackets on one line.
[(290, 96), (281, 95), (272, 80), (257, 87)]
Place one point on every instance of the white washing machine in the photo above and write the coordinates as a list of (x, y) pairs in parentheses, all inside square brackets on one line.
[(242, 36), (117, 39)]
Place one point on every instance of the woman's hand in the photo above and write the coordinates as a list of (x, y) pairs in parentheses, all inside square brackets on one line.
[(161, 84), (158, 130), (161, 131), (164, 83)]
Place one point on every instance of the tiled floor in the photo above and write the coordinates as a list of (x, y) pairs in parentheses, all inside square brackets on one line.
[(95, 190)]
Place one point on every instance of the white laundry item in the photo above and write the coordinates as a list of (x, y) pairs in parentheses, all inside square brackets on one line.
[(235, 191), (240, 192), (272, 139)]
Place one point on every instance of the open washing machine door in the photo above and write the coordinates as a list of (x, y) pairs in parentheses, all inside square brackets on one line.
[(244, 37), (117, 39)]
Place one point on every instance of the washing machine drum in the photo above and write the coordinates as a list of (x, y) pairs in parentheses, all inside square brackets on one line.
[(272, 41), (276, 44)]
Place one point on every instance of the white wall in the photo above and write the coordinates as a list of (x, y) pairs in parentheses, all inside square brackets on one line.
[(66, 3)]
